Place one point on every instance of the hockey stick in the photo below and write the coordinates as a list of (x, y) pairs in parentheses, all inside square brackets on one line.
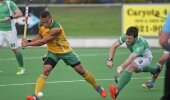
[(116, 78), (26, 18)]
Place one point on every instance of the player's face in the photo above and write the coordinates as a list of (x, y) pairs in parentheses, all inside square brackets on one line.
[(46, 21), (129, 39)]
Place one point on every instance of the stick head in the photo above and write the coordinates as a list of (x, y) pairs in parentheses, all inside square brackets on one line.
[(116, 79)]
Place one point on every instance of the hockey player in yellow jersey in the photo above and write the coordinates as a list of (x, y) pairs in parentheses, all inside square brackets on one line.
[(52, 34)]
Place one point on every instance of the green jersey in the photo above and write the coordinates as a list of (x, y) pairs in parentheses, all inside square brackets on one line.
[(4, 12), (139, 47)]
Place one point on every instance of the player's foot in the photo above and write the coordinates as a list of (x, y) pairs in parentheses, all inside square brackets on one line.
[(102, 91), (148, 85), (113, 92), (32, 97), (20, 71)]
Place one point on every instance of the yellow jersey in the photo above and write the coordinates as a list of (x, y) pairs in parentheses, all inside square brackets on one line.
[(59, 45)]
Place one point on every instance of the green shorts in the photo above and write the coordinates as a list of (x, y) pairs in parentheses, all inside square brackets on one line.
[(69, 58)]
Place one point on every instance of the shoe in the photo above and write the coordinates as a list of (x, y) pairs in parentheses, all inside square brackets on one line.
[(102, 91), (32, 97), (113, 92), (148, 85), (20, 71)]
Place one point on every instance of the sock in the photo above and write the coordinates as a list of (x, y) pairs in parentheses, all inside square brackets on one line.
[(40, 83), (90, 79), (124, 80), (156, 66), (19, 59), (148, 69)]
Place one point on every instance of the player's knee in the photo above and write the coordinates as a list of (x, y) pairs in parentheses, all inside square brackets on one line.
[(79, 69), (47, 69)]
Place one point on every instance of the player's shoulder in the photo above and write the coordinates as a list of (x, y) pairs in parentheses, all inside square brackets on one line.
[(55, 24), (10, 2)]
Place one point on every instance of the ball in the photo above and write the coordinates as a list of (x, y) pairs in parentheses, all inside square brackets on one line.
[(40, 94)]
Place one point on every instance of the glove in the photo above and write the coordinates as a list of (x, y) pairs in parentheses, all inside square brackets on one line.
[(119, 69)]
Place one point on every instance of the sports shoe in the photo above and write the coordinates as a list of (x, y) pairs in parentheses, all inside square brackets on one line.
[(148, 85), (113, 92), (32, 97), (102, 91), (20, 71)]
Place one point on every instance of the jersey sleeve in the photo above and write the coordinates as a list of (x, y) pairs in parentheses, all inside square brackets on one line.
[(13, 6), (138, 49), (166, 26), (122, 39)]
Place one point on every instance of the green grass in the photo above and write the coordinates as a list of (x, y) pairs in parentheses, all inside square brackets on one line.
[(62, 84), (89, 21)]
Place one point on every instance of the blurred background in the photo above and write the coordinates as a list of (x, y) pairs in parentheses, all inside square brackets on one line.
[(91, 22), (93, 1)]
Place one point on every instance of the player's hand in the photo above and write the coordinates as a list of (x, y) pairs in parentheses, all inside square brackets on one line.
[(110, 64), (6, 18), (24, 42), (119, 69)]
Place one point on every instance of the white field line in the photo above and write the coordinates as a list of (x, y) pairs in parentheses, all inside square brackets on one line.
[(71, 81), (81, 55), (33, 58)]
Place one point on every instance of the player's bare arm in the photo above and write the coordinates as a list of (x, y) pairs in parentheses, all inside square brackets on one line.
[(37, 37), (51, 36), (17, 14), (129, 60), (111, 53), (162, 40)]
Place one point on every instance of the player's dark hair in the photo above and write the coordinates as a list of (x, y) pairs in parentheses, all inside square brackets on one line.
[(132, 31), (45, 14)]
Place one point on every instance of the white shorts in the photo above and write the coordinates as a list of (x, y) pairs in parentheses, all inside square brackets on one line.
[(10, 38), (142, 62)]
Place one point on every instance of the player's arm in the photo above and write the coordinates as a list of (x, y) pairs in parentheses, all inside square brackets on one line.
[(163, 58), (51, 36), (129, 60), (111, 53), (163, 40), (136, 52), (17, 13), (37, 37)]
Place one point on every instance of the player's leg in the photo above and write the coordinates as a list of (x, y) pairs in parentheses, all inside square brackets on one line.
[(126, 77), (11, 39), (124, 80), (90, 79), (159, 65), (166, 95), (49, 63), (1, 38), (19, 57), (156, 70), (72, 60)]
